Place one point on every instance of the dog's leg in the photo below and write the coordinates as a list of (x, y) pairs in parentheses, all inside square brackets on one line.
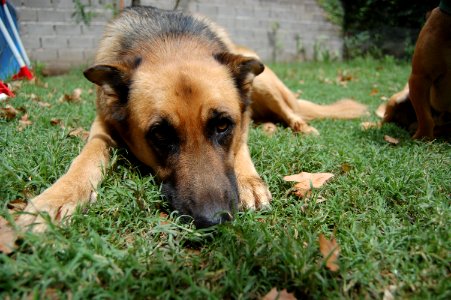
[(270, 97), (253, 191), (419, 90), (76, 187)]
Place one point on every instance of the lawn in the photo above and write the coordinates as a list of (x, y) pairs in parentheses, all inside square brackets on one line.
[(387, 205)]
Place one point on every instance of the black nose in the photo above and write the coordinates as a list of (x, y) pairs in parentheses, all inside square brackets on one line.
[(217, 218)]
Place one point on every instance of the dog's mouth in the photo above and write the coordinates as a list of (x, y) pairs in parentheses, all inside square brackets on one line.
[(203, 208)]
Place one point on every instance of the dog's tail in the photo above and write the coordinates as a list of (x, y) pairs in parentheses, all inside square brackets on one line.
[(342, 109)]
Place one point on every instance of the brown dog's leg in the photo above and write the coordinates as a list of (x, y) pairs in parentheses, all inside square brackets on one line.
[(419, 91), (76, 187), (253, 191), (272, 99)]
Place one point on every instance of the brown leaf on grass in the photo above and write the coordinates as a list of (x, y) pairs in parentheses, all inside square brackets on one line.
[(391, 140), (37, 99), (56, 122), (279, 295), (38, 82), (75, 96), (269, 128), (33, 97), (24, 122), (369, 125), (307, 181), (43, 104), (8, 112), (380, 111), (164, 218), (15, 85), (330, 251), (80, 133), (326, 80), (374, 92), (344, 77)]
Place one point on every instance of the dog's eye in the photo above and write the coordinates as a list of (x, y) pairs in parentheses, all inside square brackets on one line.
[(158, 134), (222, 125), (162, 135)]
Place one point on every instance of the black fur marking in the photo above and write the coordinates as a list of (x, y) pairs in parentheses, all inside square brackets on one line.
[(149, 24), (164, 139), (241, 68), (112, 76)]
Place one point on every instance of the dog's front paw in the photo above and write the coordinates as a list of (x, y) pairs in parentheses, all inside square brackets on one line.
[(49, 205), (254, 194)]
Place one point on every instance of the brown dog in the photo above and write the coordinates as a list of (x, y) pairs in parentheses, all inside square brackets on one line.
[(429, 88), (177, 92)]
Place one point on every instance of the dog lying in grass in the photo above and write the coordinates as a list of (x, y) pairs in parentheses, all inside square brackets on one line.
[(176, 92), (424, 105)]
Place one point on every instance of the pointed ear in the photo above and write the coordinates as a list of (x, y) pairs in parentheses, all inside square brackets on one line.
[(114, 80), (243, 69)]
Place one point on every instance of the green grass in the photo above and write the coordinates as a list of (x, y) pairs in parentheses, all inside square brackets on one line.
[(390, 208)]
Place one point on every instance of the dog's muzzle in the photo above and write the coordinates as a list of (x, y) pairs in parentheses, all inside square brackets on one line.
[(208, 205)]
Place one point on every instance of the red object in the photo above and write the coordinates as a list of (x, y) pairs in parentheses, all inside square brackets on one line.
[(4, 90), (3, 1), (24, 72)]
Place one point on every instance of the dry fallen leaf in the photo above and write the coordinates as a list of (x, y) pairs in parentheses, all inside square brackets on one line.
[(43, 104), (75, 96), (164, 218), (391, 140), (330, 251), (374, 92), (24, 122), (380, 111), (15, 85), (56, 121), (8, 112), (269, 128), (369, 125), (282, 295), (344, 77), (307, 181), (80, 133), (76, 93)]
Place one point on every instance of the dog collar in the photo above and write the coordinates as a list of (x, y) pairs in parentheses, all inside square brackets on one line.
[(445, 6)]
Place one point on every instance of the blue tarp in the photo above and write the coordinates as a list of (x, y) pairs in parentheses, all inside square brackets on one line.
[(8, 64)]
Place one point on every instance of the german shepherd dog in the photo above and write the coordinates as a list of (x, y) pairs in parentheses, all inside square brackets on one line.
[(179, 94)]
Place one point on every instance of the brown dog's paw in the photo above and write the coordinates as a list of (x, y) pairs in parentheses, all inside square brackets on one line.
[(58, 207), (421, 135), (254, 194)]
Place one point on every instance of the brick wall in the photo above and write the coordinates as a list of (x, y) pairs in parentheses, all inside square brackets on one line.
[(283, 30)]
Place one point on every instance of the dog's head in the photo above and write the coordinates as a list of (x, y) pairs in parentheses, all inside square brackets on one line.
[(187, 120)]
